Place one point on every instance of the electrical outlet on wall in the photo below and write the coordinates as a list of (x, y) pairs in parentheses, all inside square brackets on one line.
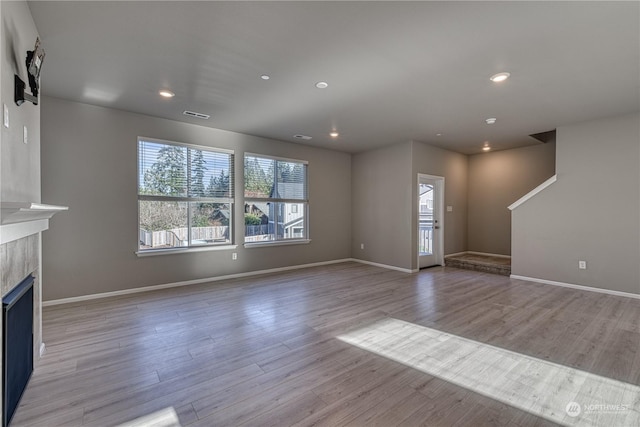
[(234, 256), (582, 265), (361, 245)]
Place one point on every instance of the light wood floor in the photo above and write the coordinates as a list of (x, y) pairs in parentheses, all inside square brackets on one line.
[(278, 350)]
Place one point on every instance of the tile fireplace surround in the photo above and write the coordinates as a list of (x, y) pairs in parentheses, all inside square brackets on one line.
[(21, 225), (18, 259)]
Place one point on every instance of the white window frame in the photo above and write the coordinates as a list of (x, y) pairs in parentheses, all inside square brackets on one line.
[(304, 202), (188, 199)]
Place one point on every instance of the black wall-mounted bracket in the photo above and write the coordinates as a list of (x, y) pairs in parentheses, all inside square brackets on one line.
[(19, 93)]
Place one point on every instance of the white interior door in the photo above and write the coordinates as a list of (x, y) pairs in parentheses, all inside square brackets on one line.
[(430, 220)]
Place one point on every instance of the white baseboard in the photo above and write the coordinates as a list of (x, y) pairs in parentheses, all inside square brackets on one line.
[(580, 287), (188, 282), (388, 267)]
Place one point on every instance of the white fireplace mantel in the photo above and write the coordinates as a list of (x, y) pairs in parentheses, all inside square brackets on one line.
[(22, 219)]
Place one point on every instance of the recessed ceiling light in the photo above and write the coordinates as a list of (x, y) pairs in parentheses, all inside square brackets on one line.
[(500, 77), (265, 77), (438, 134), (491, 120), (334, 134), (166, 93), (486, 148), (322, 85)]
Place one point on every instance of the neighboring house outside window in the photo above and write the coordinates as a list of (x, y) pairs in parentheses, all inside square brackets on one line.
[(185, 196), (426, 202), (276, 201)]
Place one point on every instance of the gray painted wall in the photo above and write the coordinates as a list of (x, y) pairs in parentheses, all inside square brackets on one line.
[(385, 201), (381, 217), (20, 164), (370, 198), (89, 164), (591, 213), (496, 180), (430, 160)]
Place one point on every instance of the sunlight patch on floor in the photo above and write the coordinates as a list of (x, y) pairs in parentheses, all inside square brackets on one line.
[(560, 394), (166, 417)]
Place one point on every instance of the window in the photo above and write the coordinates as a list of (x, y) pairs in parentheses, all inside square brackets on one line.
[(275, 192), (185, 196)]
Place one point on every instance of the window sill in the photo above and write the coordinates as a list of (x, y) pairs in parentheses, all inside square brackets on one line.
[(185, 250), (276, 243)]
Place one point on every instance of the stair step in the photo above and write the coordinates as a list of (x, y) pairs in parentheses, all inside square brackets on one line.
[(482, 263)]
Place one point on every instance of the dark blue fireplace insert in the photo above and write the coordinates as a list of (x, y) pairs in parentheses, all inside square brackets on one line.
[(17, 346)]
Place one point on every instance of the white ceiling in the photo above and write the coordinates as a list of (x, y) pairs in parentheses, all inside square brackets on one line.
[(397, 71)]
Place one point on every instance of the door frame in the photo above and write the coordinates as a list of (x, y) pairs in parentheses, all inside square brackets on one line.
[(438, 240)]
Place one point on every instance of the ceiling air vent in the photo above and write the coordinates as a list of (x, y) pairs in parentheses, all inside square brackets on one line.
[(305, 137), (196, 115)]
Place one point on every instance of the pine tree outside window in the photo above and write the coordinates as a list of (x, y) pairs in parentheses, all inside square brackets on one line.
[(185, 196)]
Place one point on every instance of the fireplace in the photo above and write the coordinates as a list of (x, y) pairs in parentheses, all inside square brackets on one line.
[(17, 345), (21, 227)]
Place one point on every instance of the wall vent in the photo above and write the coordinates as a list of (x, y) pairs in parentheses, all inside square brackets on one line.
[(304, 137), (196, 115)]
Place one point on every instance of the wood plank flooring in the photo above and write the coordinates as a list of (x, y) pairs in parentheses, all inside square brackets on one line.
[(279, 350)]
